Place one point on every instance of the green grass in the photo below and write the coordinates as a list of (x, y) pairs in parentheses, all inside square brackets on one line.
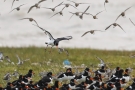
[(76, 56)]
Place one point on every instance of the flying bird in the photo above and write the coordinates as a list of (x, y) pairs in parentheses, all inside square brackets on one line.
[(102, 63), (95, 16), (76, 13), (13, 2), (132, 22), (17, 8), (52, 41), (20, 62), (36, 5), (30, 19), (81, 16), (114, 24), (77, 4), (122, 14), (67, 5), (91, 31), (53, 9), (60, 12), (106, 1)]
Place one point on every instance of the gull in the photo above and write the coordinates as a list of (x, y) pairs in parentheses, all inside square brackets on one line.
[(36, 5), (53, 9), (91, 31), (17, 8), (132, 22), (77, 4), (106, 1), (20, 62), (30, 19), (52, 41), (81, 16), (114, 24), (94, 16), (13, 2), (60, 12), (122, 14)]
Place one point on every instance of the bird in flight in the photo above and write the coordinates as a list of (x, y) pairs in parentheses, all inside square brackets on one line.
[(91, 31), (94, 16), (30, 19), (106, 1), (67, 5), (36, 5), (123, 13), (81, 16), (60, 12), (52, 41), (12, 2), (53, 9), (114, 24), (132, 22), (17, 8), (77, 4)]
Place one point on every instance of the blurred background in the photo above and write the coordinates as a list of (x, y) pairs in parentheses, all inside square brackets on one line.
[(21, 33)]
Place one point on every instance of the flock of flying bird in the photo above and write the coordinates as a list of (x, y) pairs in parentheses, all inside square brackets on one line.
[(54, 42)]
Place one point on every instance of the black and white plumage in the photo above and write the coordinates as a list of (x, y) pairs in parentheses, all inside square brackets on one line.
[(114, 25), (52, 41)]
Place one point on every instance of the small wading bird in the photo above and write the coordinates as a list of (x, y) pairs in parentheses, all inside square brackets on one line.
[(30, 19), (106, 1), (67, 5), (92, 32), (12, 2), (81, 16), (17, 8), (115, 24), (94, 16), (122, 14), (36, 5), (53, 9), (53, 42), (60, 12), (132, 22), (77, 4), (76, 13)]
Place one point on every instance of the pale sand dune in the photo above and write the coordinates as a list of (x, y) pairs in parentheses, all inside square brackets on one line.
[(21, 33)]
